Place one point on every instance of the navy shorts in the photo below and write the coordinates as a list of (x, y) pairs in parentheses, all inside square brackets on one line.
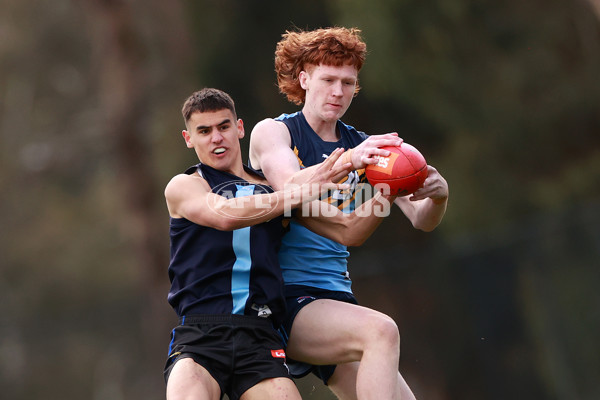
[(298, 297), (238, 351)]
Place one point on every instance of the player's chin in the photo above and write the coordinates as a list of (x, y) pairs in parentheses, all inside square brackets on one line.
[(334, 113)]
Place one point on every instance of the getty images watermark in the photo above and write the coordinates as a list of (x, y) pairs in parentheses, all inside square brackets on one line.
[(243, 197)]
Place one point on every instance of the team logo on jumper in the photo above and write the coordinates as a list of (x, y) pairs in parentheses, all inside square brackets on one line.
[(278, 353), (352, 180), (262, 311), (236, 195)]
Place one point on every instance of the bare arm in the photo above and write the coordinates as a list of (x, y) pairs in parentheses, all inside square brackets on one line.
[(349, 229), (190, 197), (362, 155), (270, 151), (426, 207)]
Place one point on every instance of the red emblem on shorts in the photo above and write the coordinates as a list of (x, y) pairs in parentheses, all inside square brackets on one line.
[(278, 353)]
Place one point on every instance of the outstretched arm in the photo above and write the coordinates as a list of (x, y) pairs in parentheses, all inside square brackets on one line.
[(190, 197)]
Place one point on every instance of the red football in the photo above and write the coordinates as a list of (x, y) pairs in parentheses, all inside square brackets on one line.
[(404, 170)]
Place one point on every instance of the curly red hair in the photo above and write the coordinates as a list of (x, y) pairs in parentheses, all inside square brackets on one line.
[(328, 46)]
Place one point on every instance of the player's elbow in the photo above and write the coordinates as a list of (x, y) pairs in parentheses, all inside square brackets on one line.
[(349, 234), (350, 238), (354, 241), (425, 226), (227, 224), (220, 222)]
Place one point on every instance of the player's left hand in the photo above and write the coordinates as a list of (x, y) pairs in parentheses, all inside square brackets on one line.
[(435, 187)]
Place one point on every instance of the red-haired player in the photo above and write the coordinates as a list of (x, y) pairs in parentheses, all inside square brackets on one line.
[(319, 69)]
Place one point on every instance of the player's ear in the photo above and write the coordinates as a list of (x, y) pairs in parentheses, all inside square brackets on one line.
[(186, 137), (302, 79), (240, 128)]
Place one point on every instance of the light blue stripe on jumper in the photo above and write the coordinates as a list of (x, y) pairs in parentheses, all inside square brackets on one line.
[(240, 276)]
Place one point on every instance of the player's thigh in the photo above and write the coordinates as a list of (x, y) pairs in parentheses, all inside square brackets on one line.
[(190, 380), (272, 389), (332, 332)]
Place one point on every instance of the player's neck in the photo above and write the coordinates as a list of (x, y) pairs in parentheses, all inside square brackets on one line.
[(235, 168), (241, 172), (325, 129)]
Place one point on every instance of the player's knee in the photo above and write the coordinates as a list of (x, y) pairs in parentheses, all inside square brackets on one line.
[(384, 331), (190, 380)]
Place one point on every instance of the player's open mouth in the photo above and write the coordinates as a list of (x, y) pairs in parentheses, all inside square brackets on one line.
[(219, 150)]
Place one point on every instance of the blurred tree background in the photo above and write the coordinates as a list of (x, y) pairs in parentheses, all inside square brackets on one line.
[(500, 302)]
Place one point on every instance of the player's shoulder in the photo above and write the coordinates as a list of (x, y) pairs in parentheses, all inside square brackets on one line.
[(351, 130), (182, 178), (182, 181), (269, 130), (268, 124)]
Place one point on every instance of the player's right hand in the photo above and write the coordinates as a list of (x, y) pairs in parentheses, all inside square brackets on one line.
[(364, 154), (326, 175)]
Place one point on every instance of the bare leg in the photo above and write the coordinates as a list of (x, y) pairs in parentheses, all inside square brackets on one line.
[(343, 383), (272, 389), (334, 332), (404, 390), (189, 380)]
